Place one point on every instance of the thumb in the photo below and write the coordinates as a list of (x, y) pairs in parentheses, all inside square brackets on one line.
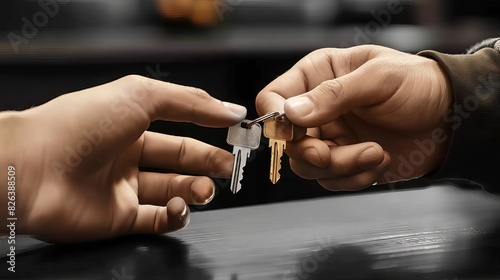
[(333, 98)]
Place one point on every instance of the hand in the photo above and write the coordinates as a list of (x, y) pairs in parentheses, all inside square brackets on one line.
[(78, 159), (373, 114)]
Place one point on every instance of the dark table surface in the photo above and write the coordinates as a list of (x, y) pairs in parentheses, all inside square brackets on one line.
[(431, 233)]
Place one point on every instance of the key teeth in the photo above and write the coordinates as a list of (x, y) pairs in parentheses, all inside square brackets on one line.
[(238, 184), (241, 155), (277, 176)]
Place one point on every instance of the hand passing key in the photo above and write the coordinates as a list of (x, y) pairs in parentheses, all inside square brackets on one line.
[(279, 130)]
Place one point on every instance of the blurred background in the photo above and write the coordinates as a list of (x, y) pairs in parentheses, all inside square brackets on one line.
[(231, 48)]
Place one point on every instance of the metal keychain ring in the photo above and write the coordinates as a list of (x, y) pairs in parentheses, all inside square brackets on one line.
[(263, 118), (280, 117)]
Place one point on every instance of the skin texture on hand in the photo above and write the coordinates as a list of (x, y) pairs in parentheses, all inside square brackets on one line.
[(80, 155), (369, 114)]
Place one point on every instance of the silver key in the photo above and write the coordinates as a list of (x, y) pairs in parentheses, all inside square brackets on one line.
[(244, 141)]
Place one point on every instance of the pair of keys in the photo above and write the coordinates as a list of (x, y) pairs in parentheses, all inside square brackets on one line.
[(245, 137)]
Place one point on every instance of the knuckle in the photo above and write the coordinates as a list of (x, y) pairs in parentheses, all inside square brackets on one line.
[(129, 214), (202, 94), (134, 81), (135, 87), (213, 160), (157, 221), (260, 100), (264, 101), (136, 93), (320, 52), (183, 149), (332, 88), (176, 182)]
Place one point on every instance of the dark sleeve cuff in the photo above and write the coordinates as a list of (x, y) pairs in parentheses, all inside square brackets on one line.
[(475, 118)]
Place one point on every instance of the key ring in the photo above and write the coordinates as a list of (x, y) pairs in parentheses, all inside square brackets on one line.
[(280, 118), (263, 118)]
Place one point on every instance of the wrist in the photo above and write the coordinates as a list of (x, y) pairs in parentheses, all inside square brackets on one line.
[(447, 100), (14, 193)]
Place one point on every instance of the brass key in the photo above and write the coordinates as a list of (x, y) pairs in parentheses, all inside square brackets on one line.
[(278, 130)]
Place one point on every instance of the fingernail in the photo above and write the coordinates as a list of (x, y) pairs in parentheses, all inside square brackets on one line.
[(312, 156), (185, 217), (199, 197), (240, 111), (208, 200), (301, 105), (370, 157)]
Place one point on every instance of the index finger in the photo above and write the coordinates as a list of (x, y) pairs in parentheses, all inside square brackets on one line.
[(109, 118), (305, 75), (309, 72)]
